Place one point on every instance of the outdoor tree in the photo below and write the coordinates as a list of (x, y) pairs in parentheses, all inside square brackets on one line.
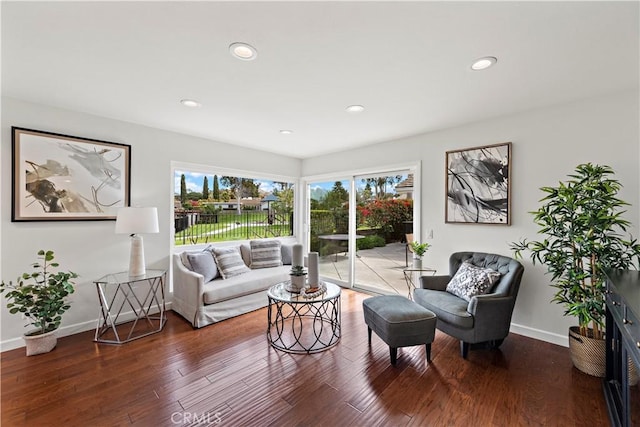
[(284, 205), (381, 183), (194, 195), (336, 197), (235, 186), (183, 190), (216, 188), (367, 193), (250, 188), (315, 204), (240, 187), (205, 188)]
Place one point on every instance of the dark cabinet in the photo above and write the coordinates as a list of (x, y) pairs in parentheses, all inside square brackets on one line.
[(622, 347)]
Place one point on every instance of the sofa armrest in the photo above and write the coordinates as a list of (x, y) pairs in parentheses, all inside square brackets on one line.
[(188, 290), (436, 283)]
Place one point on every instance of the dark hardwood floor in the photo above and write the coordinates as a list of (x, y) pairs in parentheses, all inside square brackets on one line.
[(226, 374)]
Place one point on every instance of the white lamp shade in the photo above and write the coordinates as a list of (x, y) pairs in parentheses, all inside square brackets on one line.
[(137, 221)]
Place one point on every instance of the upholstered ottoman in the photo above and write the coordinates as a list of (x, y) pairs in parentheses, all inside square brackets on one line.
[(399, 322)]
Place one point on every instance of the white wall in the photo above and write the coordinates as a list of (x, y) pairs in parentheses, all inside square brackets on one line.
[(91, 248), (547, 145)]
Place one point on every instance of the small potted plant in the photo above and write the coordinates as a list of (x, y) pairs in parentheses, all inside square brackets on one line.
[(418, 250), (41, 296), (298, 278)]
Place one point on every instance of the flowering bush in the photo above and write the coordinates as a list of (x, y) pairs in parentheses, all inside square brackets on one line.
[(387, 215)]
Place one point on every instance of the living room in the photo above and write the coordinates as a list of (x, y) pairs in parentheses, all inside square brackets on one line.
[(588, 112)]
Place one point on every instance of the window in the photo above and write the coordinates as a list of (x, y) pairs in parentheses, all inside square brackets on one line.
[(223, 206)]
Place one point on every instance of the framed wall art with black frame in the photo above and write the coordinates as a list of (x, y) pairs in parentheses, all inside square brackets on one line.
[(59, 177), (478, 185)]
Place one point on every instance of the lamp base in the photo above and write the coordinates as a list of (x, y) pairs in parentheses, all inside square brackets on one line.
[(136, 258)]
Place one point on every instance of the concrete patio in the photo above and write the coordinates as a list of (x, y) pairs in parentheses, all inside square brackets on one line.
[(378, 270)]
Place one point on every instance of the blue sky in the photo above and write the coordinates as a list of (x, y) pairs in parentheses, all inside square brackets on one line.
[(195, 180)]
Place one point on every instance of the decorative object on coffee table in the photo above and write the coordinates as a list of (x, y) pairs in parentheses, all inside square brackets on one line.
[(298, 273), (298, 276), (313, 264), (313, 292)]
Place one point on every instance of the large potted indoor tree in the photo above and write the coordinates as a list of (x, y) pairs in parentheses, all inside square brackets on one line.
[(581, 220), (42, 297)]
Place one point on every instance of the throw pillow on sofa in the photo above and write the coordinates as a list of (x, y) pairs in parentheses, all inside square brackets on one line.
[(287, 253), (230, 261), (203, 263), (265, 253), (471, 280)]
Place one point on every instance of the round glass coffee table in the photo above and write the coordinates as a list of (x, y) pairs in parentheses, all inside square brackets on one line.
[(298, 324)]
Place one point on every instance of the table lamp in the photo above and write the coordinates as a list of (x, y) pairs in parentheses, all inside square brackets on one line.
[(135, 221)]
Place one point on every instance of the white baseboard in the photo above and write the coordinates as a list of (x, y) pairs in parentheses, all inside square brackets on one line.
[(550, 337), (76, 328), (13, 343)]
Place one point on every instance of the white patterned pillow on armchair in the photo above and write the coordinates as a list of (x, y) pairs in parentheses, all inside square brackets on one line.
[(471, 280)]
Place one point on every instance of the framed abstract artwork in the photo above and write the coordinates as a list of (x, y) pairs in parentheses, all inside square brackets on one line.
[(67, 178), (478, 187)]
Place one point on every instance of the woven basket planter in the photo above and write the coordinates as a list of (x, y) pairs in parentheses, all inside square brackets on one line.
[(589, 356)]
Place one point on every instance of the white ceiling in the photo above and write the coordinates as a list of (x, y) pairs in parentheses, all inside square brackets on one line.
[(407, 63)]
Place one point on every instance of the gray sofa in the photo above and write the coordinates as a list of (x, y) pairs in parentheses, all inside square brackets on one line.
[(205, 302), (486, 318)]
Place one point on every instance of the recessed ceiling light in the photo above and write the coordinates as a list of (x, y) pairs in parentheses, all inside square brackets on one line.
[(190, 103), (355, 108), (243, 51), (483, 63), (286, 132)]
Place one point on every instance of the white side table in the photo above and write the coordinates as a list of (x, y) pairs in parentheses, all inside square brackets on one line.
[(117, 295)]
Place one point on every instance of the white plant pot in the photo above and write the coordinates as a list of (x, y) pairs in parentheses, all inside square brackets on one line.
[(417, 263), (39, 344)]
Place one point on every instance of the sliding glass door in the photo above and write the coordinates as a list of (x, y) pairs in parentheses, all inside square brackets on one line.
[(359, 225), (329, 228), (384, 218)]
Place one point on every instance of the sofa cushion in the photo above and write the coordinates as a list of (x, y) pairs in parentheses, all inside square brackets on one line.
[(447, 307), (470, 281), (230, 261), (203, 263), (244, 284), (287, 254), (184, 257), (245, 251), (265, 253)]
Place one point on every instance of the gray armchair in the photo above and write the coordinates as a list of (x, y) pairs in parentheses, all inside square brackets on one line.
[(485, 320)]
